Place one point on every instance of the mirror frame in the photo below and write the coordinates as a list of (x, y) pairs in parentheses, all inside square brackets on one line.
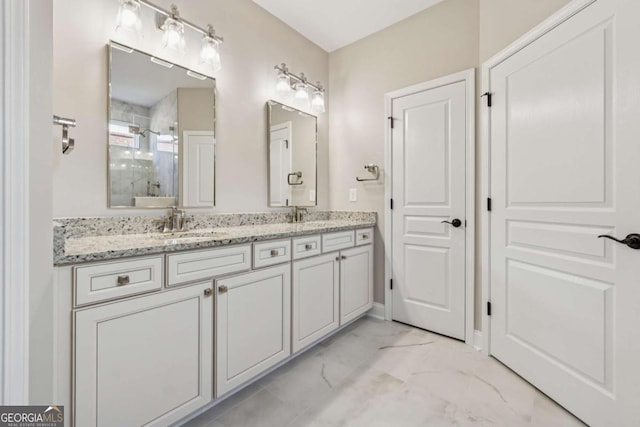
[(110, 46), (270, 104)]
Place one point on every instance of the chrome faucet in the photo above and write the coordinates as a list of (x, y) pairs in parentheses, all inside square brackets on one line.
[(174, 221), (299, 214)]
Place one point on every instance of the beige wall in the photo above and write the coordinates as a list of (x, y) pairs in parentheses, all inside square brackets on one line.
[(255, 41), (436, 42)]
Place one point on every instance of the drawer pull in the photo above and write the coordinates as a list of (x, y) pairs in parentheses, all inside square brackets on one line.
[(274, 252), (222, 289), (365, 236), (208, 292), (308, 247), (123, 280)]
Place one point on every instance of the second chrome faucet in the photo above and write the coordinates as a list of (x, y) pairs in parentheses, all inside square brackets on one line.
[(176, 220)]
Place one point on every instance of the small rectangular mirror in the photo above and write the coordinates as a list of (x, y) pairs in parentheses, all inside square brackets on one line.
[(161, 133), (292, 156)]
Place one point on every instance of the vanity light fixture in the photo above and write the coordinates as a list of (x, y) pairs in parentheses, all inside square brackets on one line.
[(286, 81), (128, 18), (173, 28)]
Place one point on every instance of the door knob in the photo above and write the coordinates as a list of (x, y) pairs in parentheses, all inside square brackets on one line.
[(632, 240), (455, 222)]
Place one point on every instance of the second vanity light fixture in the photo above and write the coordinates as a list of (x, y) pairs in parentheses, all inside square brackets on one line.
[(172, 26), (287, 81)]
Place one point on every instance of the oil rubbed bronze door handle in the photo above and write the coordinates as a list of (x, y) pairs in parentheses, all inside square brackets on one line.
[(632, 240), (455, 222)]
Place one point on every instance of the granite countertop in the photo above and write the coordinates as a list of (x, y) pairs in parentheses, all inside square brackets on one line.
[(72, 249)]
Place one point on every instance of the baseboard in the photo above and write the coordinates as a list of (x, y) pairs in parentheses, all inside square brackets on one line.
[(377, 311), (477, 340)]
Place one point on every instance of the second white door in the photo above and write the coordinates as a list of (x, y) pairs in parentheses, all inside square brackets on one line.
[(429, 143)]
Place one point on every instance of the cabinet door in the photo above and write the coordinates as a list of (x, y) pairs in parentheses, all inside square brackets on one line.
[(315, 305), (253, 321), (144, 361), (356, 282)]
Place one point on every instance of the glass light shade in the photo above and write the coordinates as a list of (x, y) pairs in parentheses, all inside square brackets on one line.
[(283, 84), (301, 96), (210, 53), (173, 36), (128, 18), (317, 101)]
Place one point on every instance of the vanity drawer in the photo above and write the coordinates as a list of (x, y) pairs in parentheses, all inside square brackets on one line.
[(336, 241), (271, 253), (110, 280), (364, 236), (190, 266), (304, 247)]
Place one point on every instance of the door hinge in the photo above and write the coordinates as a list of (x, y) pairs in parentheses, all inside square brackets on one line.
[(489, 96), (488, 308), (391, 284), (390, 121), (489, 204), (391, 203)]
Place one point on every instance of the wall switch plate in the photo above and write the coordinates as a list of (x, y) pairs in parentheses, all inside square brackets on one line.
[(353, 195), (312, 195)]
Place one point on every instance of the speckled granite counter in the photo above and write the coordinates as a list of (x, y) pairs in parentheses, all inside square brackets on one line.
[(78, 240)]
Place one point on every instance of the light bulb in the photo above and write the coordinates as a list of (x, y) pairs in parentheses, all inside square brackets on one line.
[(173, 36), (317, 101), (128, 18), (283, 84), (210, 53)]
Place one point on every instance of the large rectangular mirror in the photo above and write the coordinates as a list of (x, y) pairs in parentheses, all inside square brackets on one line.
[(292, 156), (161, 133)]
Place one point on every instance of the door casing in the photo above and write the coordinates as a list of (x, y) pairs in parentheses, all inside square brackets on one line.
[(467, 76)]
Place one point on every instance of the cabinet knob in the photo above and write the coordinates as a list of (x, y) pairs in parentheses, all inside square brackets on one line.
[(274, 252), (337, 258), (123, 280), (308, 247), (343, 257), (208, 292), (222, 289)]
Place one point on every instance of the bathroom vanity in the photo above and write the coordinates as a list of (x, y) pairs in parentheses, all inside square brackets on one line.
[(152, 327)]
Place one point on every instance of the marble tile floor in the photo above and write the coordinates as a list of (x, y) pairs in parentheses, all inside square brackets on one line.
[(386, 374)]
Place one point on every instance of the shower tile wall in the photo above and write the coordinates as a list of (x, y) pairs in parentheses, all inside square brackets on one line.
[(164, 118)]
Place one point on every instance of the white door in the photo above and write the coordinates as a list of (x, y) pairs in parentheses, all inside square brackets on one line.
[(356, 282), (253, 320), (565, 149), (429, 141), (279, 164), (315, 299), (198, 174), (144, 361)]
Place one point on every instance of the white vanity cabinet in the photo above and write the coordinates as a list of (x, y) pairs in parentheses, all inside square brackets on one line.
[(145, 360), (315, 299), (356, 282), (253, 321)]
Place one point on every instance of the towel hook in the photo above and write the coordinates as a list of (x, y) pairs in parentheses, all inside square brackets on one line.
[(67, 143), (372, 168)]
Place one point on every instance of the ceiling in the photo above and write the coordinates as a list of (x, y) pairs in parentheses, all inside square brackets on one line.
[(332, 24)]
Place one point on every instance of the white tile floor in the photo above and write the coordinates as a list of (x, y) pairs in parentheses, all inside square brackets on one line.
[(377, 373)]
